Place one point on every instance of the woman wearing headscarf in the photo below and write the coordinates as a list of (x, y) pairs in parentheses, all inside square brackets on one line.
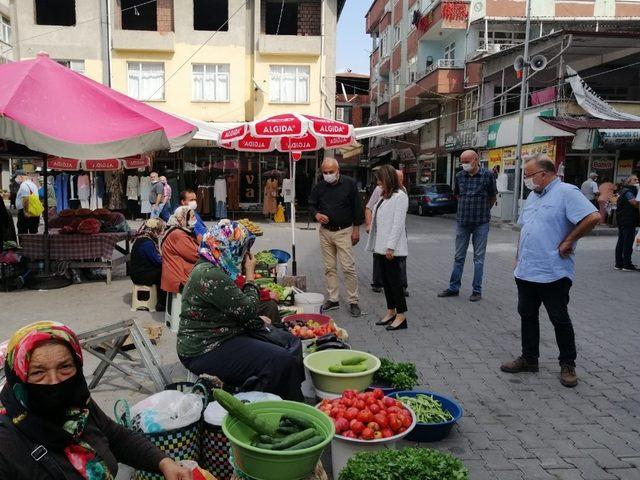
[(179, 249), (221, 332), (145, 266), (51, 429)]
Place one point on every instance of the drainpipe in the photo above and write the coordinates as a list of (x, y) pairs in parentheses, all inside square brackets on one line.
[(15, 32), (105, 23), (323, 92)]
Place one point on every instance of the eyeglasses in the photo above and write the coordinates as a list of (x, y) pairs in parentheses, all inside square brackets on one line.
[(533, 174)]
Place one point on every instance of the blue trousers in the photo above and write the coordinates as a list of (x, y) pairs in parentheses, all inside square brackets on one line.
[(221, 210), (478, 234)]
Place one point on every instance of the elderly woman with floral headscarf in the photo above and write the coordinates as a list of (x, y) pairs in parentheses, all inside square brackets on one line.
[(221, 332), (51, 429), (179, 249), (145, 267)]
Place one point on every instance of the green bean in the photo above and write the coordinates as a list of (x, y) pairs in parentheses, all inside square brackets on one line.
[(427, 409)]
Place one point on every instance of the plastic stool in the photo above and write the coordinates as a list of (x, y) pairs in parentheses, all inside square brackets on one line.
[(172, 311), (150, 303)]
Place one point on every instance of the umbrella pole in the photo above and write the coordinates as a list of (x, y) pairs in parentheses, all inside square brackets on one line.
[(45, 237), (292, 170)]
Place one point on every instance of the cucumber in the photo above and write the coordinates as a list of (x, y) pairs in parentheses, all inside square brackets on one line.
[(294, 439), (348, 368), (298, 420), (240, 411), (356, 360), (287, 430), (313, 441), (264, 446), (265, 439)]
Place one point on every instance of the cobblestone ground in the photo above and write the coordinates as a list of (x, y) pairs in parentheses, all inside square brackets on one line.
[(515, 426)]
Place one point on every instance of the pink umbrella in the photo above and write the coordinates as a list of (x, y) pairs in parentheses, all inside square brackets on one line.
[(52, 109)]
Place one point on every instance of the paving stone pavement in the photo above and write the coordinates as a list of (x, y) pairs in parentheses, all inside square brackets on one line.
[(515, 426)]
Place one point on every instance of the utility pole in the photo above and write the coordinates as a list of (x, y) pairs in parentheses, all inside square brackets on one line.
[(523, 106)]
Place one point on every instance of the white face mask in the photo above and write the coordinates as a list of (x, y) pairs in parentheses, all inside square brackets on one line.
[(193, 205), (467, 167), (192, 223), (530, 184), (330, 177)]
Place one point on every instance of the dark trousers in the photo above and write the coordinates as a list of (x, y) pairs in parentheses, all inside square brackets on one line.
[(624, 247), (27, 224), (555, 297), (151, 277), (376, 281), (391, 273), (261, 366)]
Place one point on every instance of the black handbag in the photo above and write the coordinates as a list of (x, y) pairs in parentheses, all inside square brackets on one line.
[(276, 335)]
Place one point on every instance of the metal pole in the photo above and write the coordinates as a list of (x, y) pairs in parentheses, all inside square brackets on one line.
[(45, 237), (523, 105), (292, 173)]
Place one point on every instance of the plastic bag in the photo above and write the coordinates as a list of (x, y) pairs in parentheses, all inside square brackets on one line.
[(167, 410), (214, 413)]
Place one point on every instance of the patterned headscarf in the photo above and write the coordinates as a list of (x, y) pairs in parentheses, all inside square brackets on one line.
[(180, 218), (151, 229), (67, 437), (225, 245)]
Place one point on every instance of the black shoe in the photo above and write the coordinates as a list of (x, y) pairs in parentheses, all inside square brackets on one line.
[(630, 268), (475, 297), (448, 293), (616, 267), (376, 289), (387, 321), (406, 292), (401, 326), (354, 310), (329, 305)]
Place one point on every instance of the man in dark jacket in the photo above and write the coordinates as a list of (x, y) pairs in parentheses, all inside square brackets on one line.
[(627, 216)]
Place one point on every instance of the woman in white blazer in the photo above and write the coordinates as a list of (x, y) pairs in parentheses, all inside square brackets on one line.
[(388, 242)]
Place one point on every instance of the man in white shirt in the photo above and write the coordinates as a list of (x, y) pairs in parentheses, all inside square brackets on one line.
[(590, 188), (26, 224)]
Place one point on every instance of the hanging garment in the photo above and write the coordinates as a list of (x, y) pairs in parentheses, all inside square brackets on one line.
[(204, 199), (115, 191), (175, 191), (233, 193), (99, 185), (144, 190), (132, 187), (51, 192), (221, 210), (220, 190), (84, 189), (95, 201), (270, 204), (61, 188), (73, 187)]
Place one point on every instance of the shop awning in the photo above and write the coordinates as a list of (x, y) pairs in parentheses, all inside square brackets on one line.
[(573, 124), (351, 151), (391, 129)]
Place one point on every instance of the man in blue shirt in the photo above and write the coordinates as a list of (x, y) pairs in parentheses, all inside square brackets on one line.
[(554, 217), (475, 187), (188, 198)]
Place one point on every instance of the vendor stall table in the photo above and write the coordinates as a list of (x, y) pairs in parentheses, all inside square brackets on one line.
[(81, 251)]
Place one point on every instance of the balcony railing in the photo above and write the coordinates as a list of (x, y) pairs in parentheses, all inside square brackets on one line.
[(441, 63)]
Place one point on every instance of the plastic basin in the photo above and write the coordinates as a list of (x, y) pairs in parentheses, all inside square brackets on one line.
[(433, 432), (318, 364), (316, 317), (281, 255), (386, 389), (276, 465)]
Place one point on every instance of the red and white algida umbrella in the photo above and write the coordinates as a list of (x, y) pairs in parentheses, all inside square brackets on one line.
[(289, 132)]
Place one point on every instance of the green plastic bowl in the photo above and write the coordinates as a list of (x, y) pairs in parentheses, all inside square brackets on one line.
[(318, 364), (276, 465)]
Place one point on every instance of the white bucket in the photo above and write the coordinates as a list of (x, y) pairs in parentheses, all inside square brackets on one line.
[(310, 302), (172, 311), (281, 270)]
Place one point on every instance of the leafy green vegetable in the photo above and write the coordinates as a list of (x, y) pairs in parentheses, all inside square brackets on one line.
[(401, 376), (266, 258), (427, 408), (405, 464), (279, 290)]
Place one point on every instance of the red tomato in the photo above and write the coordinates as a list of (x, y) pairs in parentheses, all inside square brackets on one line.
[(389, 402), (406, 421), (365, 416), (371, 400), (377, 435), (347, 402), (349, 394), (381, 420), (325, 402), (360, 404), (349, 434), (402, 429), (351, 413), (375, 408), (378, 393), (362, 396), (394, 422), (373, 426), (394, 409), (386, 433), (368, 434), (341, 424), (357, 426)]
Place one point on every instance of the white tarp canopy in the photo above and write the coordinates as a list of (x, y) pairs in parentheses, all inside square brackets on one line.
[(211, 131)]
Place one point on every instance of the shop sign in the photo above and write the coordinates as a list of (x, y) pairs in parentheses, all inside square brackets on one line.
[(625, 168), (459, 140), (249, 182), (495, 158), (509, 154), (628, 138), (99, 165), (602, 164), (66, 164), (406, 155), (503, 132)]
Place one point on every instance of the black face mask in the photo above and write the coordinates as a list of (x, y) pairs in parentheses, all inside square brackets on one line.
[(51, 402)]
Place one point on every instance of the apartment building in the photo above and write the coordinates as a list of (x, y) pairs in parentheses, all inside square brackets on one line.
[(427, 57), (6, 32)]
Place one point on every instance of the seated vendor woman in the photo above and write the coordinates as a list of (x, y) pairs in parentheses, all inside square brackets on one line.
[(145, 267), (221, 332), (179, 249), (51, 429)]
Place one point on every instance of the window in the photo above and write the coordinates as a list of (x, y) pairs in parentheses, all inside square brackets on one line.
[(467, 105), (343, 114), (397, 31), (450, 51), (384, 43), (281, 18), (211, 82), (500, 38), (412, 68), (211, 15), (137, 15), (5, 30), (289, 84), (395, 87), (59, 12), (75, 65), (146, 80)]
